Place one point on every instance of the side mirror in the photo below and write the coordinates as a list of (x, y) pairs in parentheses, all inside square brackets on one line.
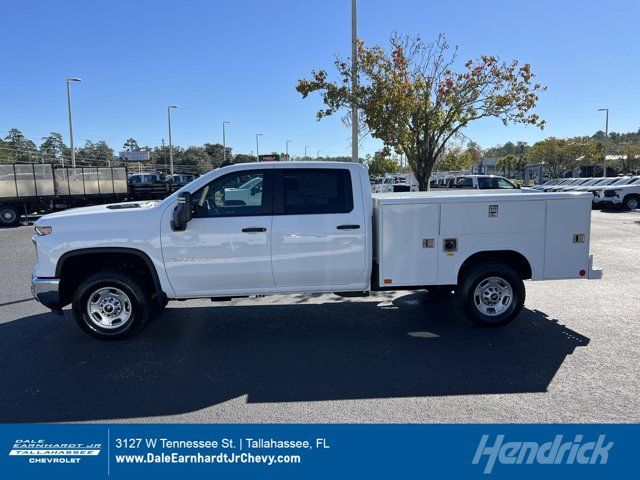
[(182, 212)]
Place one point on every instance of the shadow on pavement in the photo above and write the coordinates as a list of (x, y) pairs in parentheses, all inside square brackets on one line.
[(192, 358)]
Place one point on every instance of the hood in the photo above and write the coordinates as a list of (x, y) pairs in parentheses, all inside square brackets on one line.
[(109, 209)]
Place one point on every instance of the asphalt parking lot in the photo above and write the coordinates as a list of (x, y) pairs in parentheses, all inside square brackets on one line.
[(572, 355)]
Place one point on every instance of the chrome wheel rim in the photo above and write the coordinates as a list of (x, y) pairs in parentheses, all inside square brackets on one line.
[(632, 203), (493, 296), (8, 215), (109, 307)]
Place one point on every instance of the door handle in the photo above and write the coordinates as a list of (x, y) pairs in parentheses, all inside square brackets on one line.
[(254, 229), (348, 227)]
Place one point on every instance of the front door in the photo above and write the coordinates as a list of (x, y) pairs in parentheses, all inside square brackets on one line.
[(226, 246)]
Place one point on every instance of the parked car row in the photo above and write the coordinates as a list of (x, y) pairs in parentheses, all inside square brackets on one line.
[(608, 192), (407, 182)]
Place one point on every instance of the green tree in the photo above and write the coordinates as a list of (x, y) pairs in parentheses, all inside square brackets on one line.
[(506, 164), (244, 158), (53, 148), (458, 158), (18, 148), (382, 163), (215, 151), (413, 101), (564, 155), (131, 145), (102, 152), (630, 158)]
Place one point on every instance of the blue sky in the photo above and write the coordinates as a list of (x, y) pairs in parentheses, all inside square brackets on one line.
[(240, 60)]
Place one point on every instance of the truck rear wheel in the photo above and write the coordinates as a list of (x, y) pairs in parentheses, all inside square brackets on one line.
[(112, 305), (9, 216), (490, 294)]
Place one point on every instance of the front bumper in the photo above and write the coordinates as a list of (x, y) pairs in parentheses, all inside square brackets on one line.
[(46, 291)]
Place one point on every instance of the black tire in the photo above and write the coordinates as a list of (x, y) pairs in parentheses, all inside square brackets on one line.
[(135, 304), (631, 202), (9, 216), (473, 277)]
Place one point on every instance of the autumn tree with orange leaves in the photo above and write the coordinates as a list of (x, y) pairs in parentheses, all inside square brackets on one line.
[(412, 99)]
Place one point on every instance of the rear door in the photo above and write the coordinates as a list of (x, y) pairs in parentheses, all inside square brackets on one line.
[(318, 228)]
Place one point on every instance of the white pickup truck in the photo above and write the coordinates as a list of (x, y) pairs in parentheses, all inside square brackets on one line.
[(625, 195), (316, 228)]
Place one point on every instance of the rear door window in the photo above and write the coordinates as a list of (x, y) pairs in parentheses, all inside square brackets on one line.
[(465, 182), (313, 191), (484, 183)]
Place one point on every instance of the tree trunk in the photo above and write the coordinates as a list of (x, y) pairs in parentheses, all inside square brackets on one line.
[(422, 169)]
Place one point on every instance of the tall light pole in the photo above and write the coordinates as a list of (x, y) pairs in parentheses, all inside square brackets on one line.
[(224, 141), (606, 140), (318, 154), (73, 153), (169, 107), (305, 151), (286, 148), (258, 135), (354, 82)]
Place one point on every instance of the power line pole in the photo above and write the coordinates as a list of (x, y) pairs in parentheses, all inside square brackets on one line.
[(606, 140), (258, 135), (169, 107), (354, 83), (224, 141), (73, 153)]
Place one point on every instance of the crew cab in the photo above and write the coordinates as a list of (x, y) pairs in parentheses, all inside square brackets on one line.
[(311, 227), (626, 195)]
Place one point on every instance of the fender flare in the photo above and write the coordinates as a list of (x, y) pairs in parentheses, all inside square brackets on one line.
[(131, 251)]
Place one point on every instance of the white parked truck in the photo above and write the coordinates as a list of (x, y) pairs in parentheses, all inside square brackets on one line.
[(625, 195), (316, 228)]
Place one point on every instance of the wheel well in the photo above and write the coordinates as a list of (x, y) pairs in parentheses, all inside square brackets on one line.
[(514, 259), (74, 267)]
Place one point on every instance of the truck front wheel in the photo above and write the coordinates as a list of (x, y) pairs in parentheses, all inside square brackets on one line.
[(112, 305), (630, 202), (490, 294)]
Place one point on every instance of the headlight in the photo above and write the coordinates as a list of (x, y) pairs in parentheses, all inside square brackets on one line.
[(43, 230)]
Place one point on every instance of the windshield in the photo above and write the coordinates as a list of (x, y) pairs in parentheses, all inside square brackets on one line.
[(630, 181), (601, 181), (621, 181), (591, 181)]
